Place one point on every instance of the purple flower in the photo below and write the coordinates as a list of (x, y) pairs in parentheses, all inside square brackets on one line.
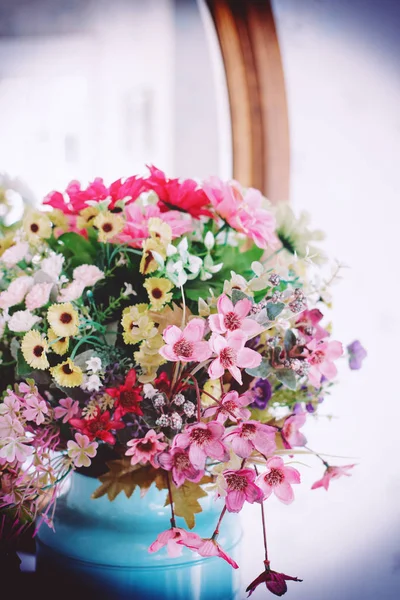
[(357, 353), (262, 393)]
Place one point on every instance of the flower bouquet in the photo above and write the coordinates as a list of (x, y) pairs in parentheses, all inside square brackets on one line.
[(176, 325)]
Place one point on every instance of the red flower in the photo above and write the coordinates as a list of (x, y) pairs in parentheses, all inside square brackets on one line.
[(127, 396), (77, 198), (98, 427), (127, 191), (275, 582), (182, 195)]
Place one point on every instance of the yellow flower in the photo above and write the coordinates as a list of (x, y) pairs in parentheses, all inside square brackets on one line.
[(213, 387), (6, 242), (158, 290), (148, 264), (160, 231), (37, 225), (67, 374), (34, 347), (86, 217), (137, 324), (108, 225), (58, 344), (58, 218), (63, 319)]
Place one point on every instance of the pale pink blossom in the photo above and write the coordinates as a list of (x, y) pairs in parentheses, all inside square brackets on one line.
[(10, 427), (14, 254), (52, 266), (81, 450), (36, 409), (330, 474), (144, 450), (171, 538), (232, 355), (290, 431), (177, 460), (10, 405), (87, 274), (203, 439), (66, 409), (321, 356), (238, 488), (71, 292), (231, 317), (249, 436), (22, 320), (15, 448), (38, 296), (186, 345), (16, 291), (231, 407), (278, 479), (207, 547), (137, 223)]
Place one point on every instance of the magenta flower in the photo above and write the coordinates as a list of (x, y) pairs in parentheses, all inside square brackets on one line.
[(145, 449), (232, 355), (207, 547), (278, 478), (252, 435), (239, 487), (203, 439), (177, 460), (231, 407), (232, 317), (308, 323), (321, 356), (332, 473), (186, 345), (291, 435), (66, 409), (173, 539), (357, 353), (275, 582)]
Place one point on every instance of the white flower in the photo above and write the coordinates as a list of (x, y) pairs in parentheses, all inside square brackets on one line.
[(209, 241), (52, 266), (128, 291), (88, 274), (10, 427), (22, 320), (94, 364), (38, 296), (71, 292), (92, 383), (13, 255), (16, 291), (149, 391), (15, 448), (82, 450)]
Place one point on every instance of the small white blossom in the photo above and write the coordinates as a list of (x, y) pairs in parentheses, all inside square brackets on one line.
[(92, 383), (94, 364)]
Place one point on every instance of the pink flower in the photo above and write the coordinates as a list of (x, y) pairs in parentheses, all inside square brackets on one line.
[(38, 296), (275, 582), (10, 427), (15, 448), (239, 487), (232, 317), (89, 275), (278, 479), (36, 409), (137, 219), (11, 404), (177, 460), (203, 439), (81, 450), (172, 538), (252, 435), (332, 473), (207, 547), (308, 323), (16, 291), (72, 291), (321, 356), (67, 409), (145, 449), (290, 431), (14, 254), (230, 407), (186, 345), (231, 355)]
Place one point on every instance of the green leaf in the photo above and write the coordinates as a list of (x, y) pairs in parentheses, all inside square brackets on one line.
[(239, 295), (290, 340), (23, 369), (287, 377), (263, 369), (273, 310)]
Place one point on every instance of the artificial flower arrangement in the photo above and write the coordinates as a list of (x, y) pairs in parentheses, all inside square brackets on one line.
[(177, 323)]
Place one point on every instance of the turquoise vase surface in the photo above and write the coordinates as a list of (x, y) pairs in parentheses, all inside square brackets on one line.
[(103, 547)]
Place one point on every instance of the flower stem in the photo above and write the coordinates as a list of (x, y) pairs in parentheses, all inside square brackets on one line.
[(173, 523), (263, 524), (216, 530), (196, 385), (317, 455)]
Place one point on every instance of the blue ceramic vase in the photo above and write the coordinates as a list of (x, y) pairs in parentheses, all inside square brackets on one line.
[(103, 547)]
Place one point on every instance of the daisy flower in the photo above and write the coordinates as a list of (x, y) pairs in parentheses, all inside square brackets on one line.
[(108, 225), (67, 374), (63, 319), (34, 347), (37, 226), (57, 344), (158, 290)]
